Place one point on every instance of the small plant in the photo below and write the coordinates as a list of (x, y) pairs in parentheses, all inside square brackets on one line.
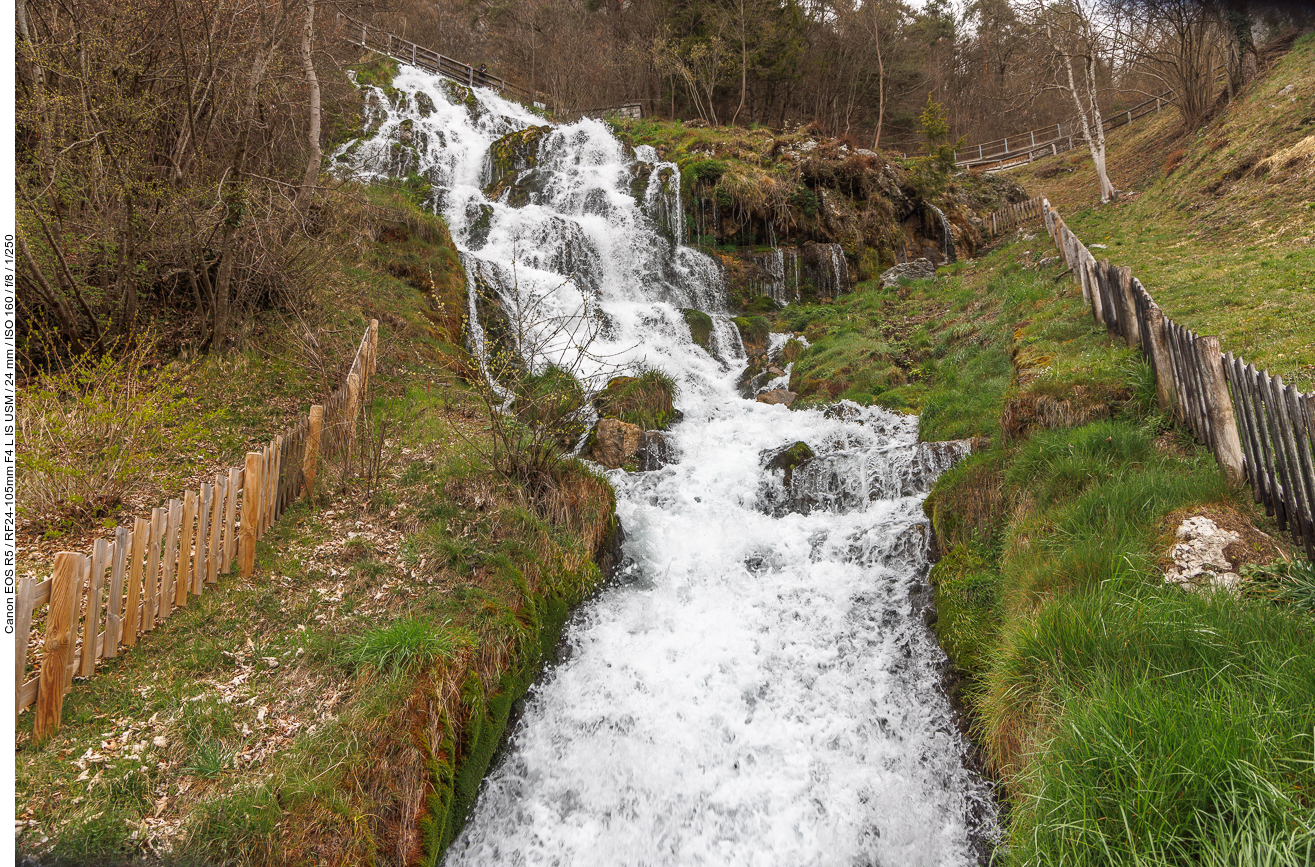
[(408, 645)]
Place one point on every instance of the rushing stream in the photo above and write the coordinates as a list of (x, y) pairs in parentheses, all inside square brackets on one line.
[(758, 687)]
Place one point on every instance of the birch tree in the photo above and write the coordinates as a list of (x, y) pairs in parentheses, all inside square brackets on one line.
[(1075, 39)]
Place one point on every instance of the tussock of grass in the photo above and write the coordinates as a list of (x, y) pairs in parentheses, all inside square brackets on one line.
[(645, 400), (406, 646)]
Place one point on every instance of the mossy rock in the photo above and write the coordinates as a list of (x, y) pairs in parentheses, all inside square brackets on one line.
[(639, 176), (754, 332), (425, 105), (645, 400), (479, 225), (787, 458), (792, 350), (760, 304), (700, 327), (510, 158)]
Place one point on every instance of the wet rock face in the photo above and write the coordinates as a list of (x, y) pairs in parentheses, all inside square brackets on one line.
[(786, 458), (615, 442), (510, 159), (655, 451)]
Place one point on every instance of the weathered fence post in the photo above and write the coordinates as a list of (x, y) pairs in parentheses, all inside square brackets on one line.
[(310, 463), (169, 573), (230, 520), (141, 531), (1223, 423), (25, 597), (114, 612), (1122, 275), (252, 488), (1158, 335), (159, 517), (201, 564), (217, 529), (100, 555), (59, 645), (186, 541)]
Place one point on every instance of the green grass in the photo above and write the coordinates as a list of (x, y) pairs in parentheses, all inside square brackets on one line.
[(1130, 722), (406, 646), (1183, 730)]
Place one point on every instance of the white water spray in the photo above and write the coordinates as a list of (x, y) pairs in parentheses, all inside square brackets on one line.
[(759, 687)]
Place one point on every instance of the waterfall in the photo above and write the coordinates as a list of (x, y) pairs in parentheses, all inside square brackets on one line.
[(948, 244), (758, 687)]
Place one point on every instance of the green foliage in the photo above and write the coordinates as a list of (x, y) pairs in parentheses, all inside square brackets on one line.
[(760, 305), (100, 427), (407, 646), (754, 331)]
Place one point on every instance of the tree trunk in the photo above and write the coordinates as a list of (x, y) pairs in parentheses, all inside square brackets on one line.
[(313, 134), (744, 65)]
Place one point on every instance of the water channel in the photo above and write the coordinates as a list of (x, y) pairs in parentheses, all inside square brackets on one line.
[(758, 687)]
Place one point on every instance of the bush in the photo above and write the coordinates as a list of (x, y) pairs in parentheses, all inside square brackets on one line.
[(98, 428)]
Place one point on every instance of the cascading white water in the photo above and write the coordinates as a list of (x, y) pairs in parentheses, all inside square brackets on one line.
[(758, 687), (947, 236)]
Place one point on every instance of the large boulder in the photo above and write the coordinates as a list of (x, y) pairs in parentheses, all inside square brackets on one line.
[(918, 269), (615, 442)]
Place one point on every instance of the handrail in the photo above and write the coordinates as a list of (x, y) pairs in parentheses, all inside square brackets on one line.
[(1114, 120)]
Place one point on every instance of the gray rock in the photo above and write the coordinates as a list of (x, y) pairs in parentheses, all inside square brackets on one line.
[(918, 269)]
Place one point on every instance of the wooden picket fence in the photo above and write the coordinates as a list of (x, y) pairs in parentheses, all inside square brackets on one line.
[(1261, 430), (158, 565), (1010, 217)]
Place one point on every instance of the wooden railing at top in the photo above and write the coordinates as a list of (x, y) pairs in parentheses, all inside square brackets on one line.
[(405, 51), (1261, 431), (1059, 141), (163, 561)]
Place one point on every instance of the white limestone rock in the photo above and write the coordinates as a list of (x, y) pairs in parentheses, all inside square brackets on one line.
[(1198, 557)]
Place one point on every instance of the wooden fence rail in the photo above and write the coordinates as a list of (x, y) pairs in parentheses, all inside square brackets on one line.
[(1261, 430), (1010, 217), (94, 604), (405, 51), (1022, 148)]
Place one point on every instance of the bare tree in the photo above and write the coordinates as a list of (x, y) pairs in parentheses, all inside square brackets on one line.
[(1076, 40)]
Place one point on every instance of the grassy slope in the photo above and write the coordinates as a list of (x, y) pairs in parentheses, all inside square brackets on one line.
[(341, 705), (1222, 231), (1129, 722)]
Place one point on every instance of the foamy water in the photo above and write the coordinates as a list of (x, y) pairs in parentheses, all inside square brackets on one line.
[(758, 687)]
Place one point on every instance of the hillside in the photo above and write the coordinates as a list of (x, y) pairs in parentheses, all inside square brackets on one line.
[(1218, 223), (343, 705)]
